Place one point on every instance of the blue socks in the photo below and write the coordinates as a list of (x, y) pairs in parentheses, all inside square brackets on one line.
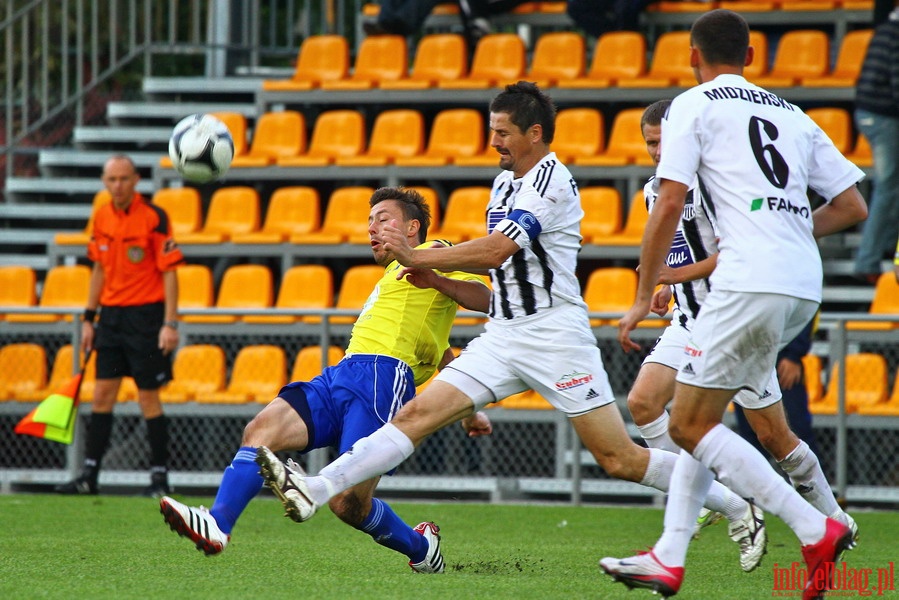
[(240, 484), (387, 529)]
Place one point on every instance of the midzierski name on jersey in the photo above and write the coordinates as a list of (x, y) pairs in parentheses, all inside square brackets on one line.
[(754, 96)]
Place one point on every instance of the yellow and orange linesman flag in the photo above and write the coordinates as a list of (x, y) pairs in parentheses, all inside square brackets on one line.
[(54, 418)]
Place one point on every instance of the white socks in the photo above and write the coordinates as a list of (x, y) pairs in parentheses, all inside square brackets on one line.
[(804, 470), (744, 470), (657, 436), (690, 483), (369, 457)]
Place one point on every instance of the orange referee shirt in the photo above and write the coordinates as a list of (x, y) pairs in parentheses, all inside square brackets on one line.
[(133, 247)]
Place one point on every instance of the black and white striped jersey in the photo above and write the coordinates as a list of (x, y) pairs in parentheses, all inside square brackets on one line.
[(696, 239), (541, 212)]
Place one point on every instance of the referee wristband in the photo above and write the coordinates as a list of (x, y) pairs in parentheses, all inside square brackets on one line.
[(89, 315)]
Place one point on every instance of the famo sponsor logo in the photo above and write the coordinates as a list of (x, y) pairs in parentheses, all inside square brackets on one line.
[(778, 205)]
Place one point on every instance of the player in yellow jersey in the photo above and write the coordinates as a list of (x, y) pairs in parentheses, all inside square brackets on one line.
[(400, 338)]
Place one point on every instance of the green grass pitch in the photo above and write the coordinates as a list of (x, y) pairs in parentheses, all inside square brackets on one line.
[(119, 547)]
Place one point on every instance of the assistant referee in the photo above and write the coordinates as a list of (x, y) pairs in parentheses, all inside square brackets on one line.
[(130, 318)]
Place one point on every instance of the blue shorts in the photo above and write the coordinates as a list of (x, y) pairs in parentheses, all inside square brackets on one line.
[(350, 400)]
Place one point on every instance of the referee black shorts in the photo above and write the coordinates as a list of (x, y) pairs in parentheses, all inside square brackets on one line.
[(127, 343)]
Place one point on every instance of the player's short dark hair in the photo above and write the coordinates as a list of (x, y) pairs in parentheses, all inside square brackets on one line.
[(526, 105), (722, 36), (412, 203), (654, 113)]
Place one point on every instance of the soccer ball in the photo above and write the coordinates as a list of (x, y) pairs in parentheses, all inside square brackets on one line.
[(201, 148)]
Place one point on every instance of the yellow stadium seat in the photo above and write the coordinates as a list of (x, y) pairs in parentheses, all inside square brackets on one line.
[(618, 55), (602, 213), (302, 286), (465, 216), (814, 385), (499, 59), (308, 362), (396, 134), (198, 370), (320, 58), (380, 58), (23, 370), (866, 384), (291, 210), (65, 287), (836, 123), (632, 234), (346, 219), (801, 53), (853, 48), (885, 302), (579, 133), (183, 207), (626, 145), (670, 64), (259, 372), (557, 55), (17, 287), (438, 57), (357, 285), (195, 288), (242, 286), (336, 134), (610, 289), (232, 210), (276, 135), (455, 132)]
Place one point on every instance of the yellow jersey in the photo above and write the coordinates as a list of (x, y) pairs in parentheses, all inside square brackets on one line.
[(406, 322)]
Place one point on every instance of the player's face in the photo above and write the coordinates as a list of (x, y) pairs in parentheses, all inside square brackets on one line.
[(652, 135), (120, 180), (381, 214), (517, 149)]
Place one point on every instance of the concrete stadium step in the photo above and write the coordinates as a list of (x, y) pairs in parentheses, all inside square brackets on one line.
[(34, 189), (135, 135), (48, 210), (172, 112), (184, 88), (58, 162)]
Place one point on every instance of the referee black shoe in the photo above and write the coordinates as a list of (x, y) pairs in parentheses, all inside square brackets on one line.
[(84, 486)]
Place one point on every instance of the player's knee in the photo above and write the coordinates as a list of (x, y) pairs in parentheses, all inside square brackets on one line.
[(254, 434), (350, 508), (683, 435), (641, 407)]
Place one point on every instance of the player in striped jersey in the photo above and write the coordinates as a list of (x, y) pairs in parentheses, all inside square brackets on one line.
[(757, 155), (689, 264), (538, 335)]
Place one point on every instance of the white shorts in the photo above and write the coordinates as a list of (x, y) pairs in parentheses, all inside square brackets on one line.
[(669, 351), (553, 353), (737, 336)]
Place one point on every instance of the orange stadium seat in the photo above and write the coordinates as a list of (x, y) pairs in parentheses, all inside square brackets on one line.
[(811, 368), (320, 58), (357, 285), (233, 209), (259, 372), (866, 384), (433, 202), (308, 362), (302, 286), (438, 57), (741, 6), (800, 53), (455, 132), (65, 287), (759, 65), (197, 370), (626, 145), (346, 219), (579, 132), (380, 58), (242, 286), (853, 48), (17, 287), (465, 216), (610, 289), (557, 55), (885, 302), (499, 59), (670, 64), (183, 207), (890, 408), (195, 288), (291, 210), (836, 123), (602, 212), (23, 370), (861, 153), (83, 237), (618, 55), (397, 133), (61, 371), (336, 133), (632, 233), (277, 134)]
